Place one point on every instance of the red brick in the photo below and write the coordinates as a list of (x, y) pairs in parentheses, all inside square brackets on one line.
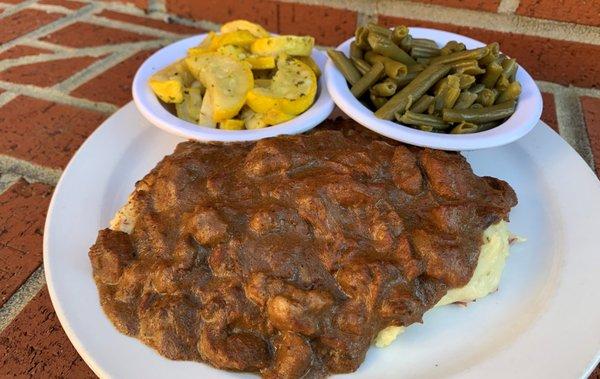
[(591, 114), (21, 51), (46, 74), (114, 85), (577, 11), (329, 26), (157, 24), (142, 4), (64, 3), (34, 345), (262, 11), (12, 1), (22, 213), (83, 34), (24, 22), (43, 132), (596, 373), (482, 5), (549, 111), (545, 59)]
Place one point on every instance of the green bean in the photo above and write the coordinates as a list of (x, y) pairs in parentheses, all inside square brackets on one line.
[(450, 80), (406, 42), (487, 126), (361, 36), (502, 83), (423, 61), (511, 93), (461, 56), (355, 51), (386, 47), (411, 118), (403, 81), (368, 79), (465, 81), (487, 97), (501, 58), (477, 116), (424, 52), (416, 88), (379, 29), (464, 128), (361, 65), (477, 88), (452, 47), (492, 55), (399, 33), (344, 65), (424, 42), (416, 68), (377, 101), (476, 106), (509, 68), (465, 100), (492, 73), (393, 69), (422, 104), (386, 88), (425, 128), (446, 98), (469, 67)]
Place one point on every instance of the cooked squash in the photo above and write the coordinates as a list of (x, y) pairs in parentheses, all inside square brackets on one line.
[(168, 84), (256, 30), (291, 45)]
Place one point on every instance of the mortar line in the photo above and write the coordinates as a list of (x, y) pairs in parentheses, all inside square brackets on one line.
[(140, 29), (553, 88), (14, 8), (202, 24), (47, 45), (157, 6), (508, 6), (51, 94), (7, 180), (29, 171), (7, 97), (51, 8), (22, 296)]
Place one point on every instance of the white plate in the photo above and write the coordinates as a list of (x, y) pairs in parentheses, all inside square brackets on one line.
[(148, 104), (542, 323), (526, 116)]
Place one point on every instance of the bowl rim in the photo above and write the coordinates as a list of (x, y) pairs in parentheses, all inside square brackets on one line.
[(527, 113), (148, 105)]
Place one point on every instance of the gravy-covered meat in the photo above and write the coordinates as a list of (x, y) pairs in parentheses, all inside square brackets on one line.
[(288, 255)]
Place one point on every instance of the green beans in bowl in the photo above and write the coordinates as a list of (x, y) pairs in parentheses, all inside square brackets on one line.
[(432, 88)]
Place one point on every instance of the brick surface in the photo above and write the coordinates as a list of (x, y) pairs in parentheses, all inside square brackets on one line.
[(64, 3), (82, 34), (157, 24), (53, 71), (329, 26), (545, 59), (591, 114), (585, 12), (483, 5), (12, 1), (35, 346), (24, 22), (22, 213), (21, 51), (262, 11), (142, 4), (114, 85), (43, 132), (549, 111)]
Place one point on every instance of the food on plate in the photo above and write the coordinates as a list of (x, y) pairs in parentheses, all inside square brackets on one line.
[(417, 83), (291, 255), (243, 66)]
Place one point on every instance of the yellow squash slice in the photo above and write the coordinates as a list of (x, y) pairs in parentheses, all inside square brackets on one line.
[(189, 108), (307, 60), (227, 82), (168, 84), (261, 63), (252, 120), (291, 45), (292, 91), (256, 30), (231, 124), (205, 118)]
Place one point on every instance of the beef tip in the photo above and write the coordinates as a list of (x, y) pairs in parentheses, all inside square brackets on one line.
[(293, 356), (286, 314), (207, 227), (111, 253), (405, 172)]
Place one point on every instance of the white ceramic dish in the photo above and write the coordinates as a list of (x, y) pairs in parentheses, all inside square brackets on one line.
[(542, 323), (526, 116), (149, 106)]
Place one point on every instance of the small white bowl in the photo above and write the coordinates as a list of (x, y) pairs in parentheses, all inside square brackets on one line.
[(526, 116), (149, 106)]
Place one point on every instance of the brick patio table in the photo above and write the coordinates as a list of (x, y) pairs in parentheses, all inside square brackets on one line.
[(65, 66)]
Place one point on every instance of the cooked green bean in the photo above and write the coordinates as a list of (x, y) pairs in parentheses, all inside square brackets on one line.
[(411, 118), (511, 93), (424, 61), (361, 36), (425, 128), (492, 73), (406, 42), (487, 97), (450, 80), (403, 81), (492, 55), (367, 80), (416, 88), (386, 88), (422, 104), (446, 98), (469, 67), (424, 51), (461, 56), (399, 33), (424, 42), (393, 69), (379, 29), (509, 68), (355, 51), (464, 128), (477, 116), (465, 100), (487, 126), (502, 83), (386, 47), (477, 88), (452, 47), (361, 65), (476, 106), (377, 101), (416, 68), (465, 81), (344, 65)]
